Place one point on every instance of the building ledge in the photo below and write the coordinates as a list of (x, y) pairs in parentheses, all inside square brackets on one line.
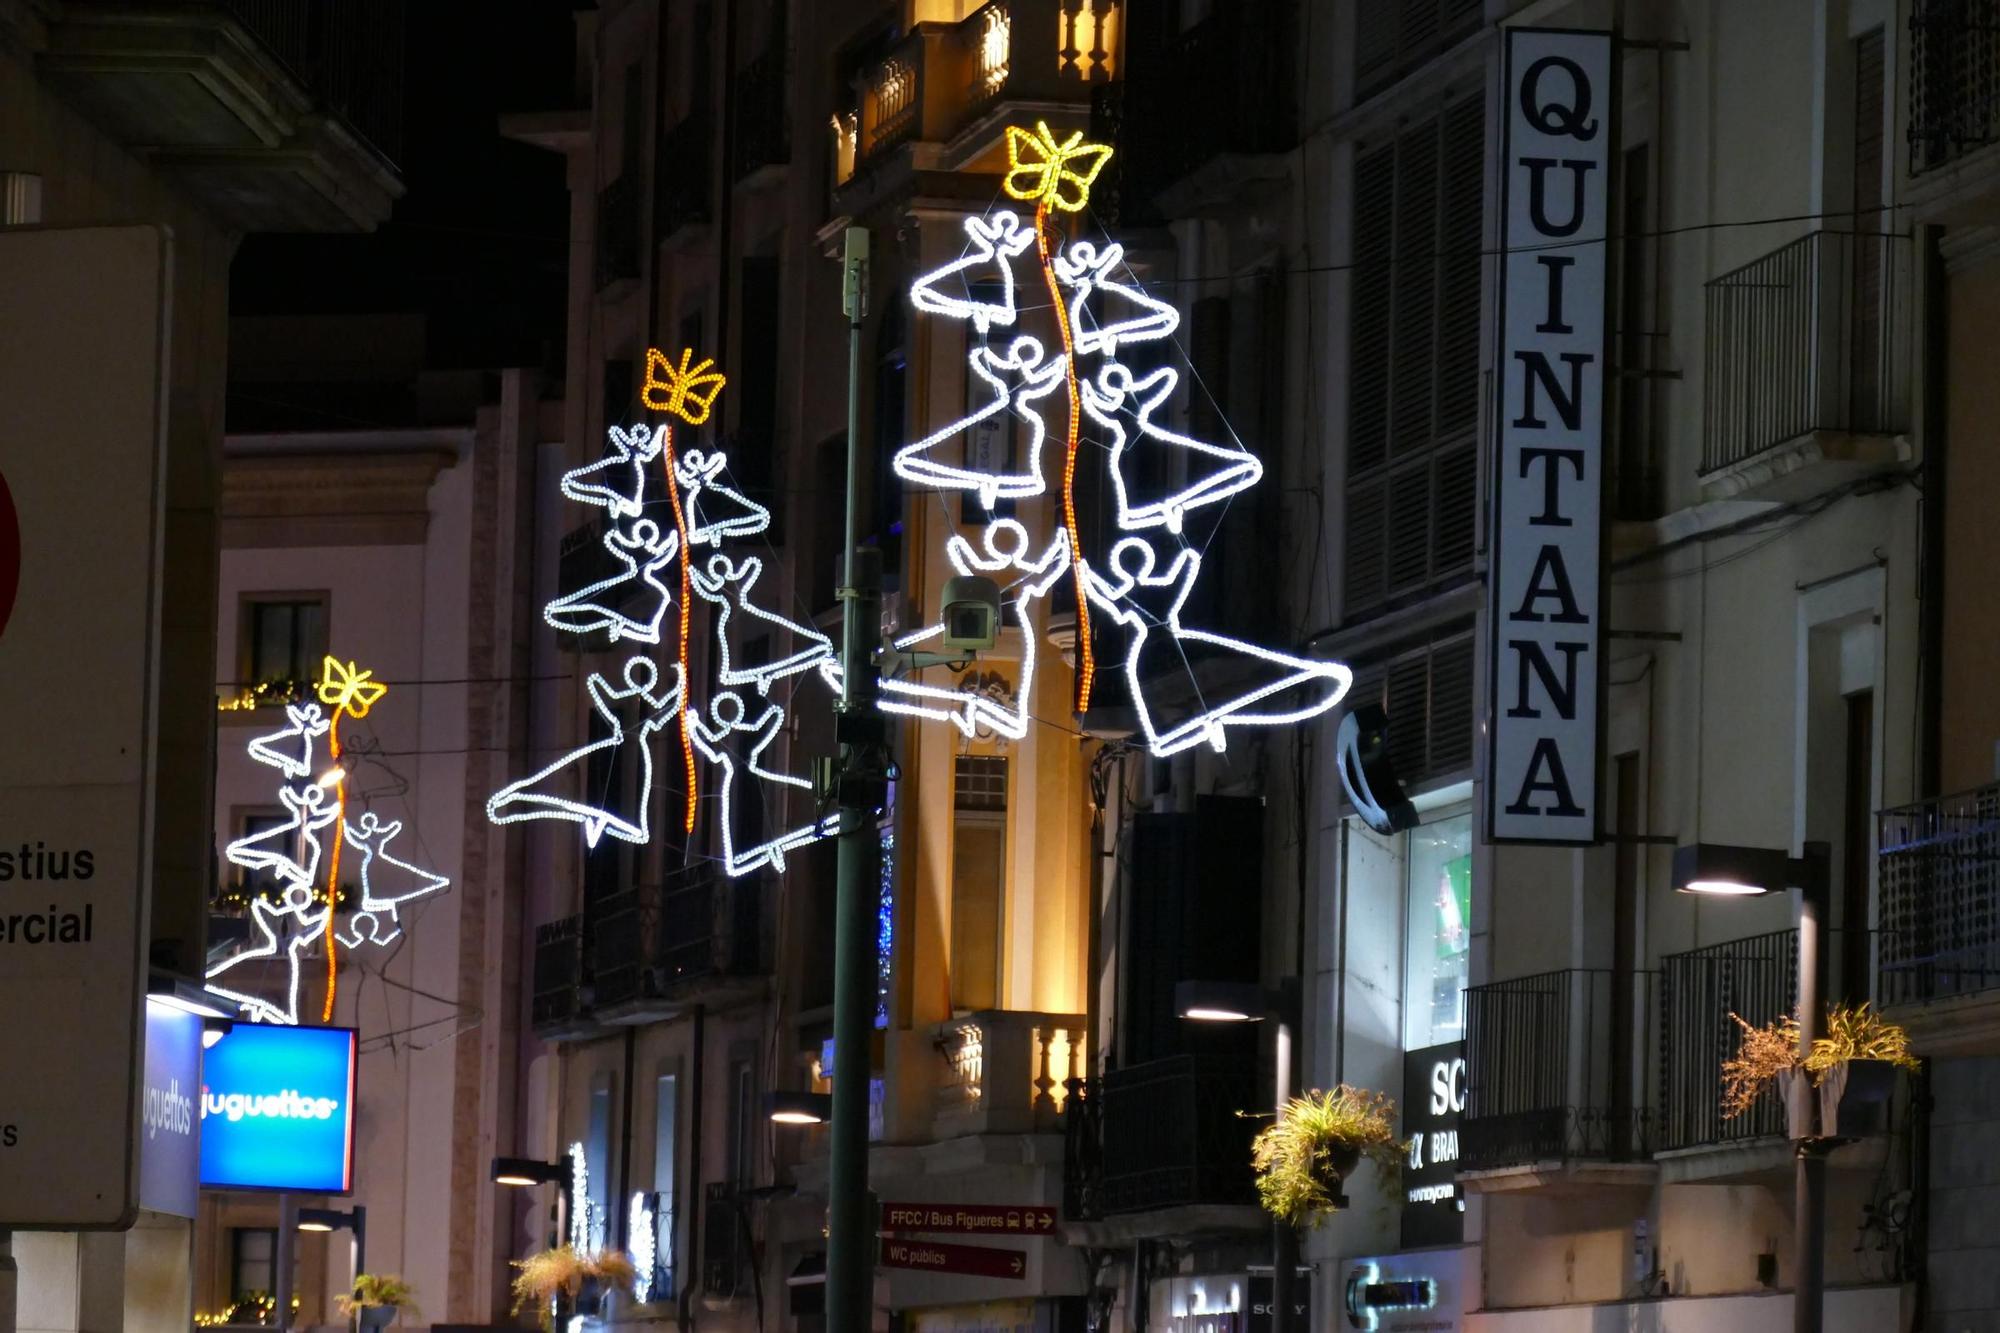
[(1764, 1161), (193, 91), (341, 497), (1807, 466), (557, 131), (1961, 1026), (1187, 1220), (1576, 1176)]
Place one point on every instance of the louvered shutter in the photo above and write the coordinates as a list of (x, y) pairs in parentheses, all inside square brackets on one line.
[(1426, 689), (1393, 36)]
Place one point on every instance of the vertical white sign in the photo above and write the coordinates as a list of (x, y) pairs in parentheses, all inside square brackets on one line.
[(81, 411), (1545, 580)]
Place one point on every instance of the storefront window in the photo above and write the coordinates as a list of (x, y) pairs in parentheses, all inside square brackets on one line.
[(1438, 938)]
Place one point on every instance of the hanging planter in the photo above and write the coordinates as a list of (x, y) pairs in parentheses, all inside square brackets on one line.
[(1309, 1153), (378, 1299), (562, 1272), (1840, 1089)]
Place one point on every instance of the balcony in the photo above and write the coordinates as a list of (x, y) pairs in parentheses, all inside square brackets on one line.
[(1163, 1149), (1808, 374), (658, 948), (560, 1008), (275, 115), (1555, 1088), (683, 184), (1007, 1072), (1954, 80), (618, 220), (949, 88), (1938, 871)]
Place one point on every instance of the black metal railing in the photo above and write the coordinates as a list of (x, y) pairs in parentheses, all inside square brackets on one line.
[(621, 936), (347, 53), (1954, 80), (562, 973), (1807, 338), (725, 1241), (684, 188), (1938, 872), (1755, 978), (1163, 1134), (618, 248), (763, 110), (1554, 1069), (710, 925)]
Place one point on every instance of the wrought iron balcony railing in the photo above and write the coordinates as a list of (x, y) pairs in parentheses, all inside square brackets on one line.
[(348, 54), (1164, 1134), (652, 945), (1954, 80), (1938, 872), (1756, 978), (1813, 337), (562, 978), (1554, 1070)]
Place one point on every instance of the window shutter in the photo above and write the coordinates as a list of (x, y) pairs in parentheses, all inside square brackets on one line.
[(1426, 688), (1413, 373), (1368, 357), (1392, 37), (1459, 236)]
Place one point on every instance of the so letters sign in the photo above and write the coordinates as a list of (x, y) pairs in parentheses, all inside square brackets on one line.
[(1546, 585)]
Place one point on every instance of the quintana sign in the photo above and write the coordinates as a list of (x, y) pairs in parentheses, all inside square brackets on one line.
[(1546, 588)]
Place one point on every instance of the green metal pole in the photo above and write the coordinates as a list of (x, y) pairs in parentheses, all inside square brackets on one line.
[(850, 1258)]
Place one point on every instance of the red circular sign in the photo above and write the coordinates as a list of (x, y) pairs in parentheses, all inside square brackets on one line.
[(10, 553)]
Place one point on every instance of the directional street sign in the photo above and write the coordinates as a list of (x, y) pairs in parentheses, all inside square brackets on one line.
[(938, 1257), (1001, 1219)]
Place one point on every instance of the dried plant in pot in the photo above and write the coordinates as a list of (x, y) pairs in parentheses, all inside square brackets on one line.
[(564, 1272), (1839, 1089), (377, 1299), (1305, 1157)]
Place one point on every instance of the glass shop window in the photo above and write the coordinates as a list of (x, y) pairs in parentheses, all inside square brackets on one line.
[(1438, 936)]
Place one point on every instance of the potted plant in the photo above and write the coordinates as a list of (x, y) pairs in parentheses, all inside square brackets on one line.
[(1852, 1068), (377, 1299), (562, 1271), (1313, 1147)]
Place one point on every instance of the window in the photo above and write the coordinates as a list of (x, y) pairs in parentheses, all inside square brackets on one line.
[(597, 1159), (1394, 36), (978, 879), (1438, 940), (1635, 472), (284, 638), (253, 1262), (666, 1109), (1426, 689), (742, 1122), (1413, 363)]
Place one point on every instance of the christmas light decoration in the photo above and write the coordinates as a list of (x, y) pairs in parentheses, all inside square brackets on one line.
[(700, 474), (1050, 174), (643, 552), (1235, 470), (1022, 361), (604, 482), (292, 852), (1087, 271), (728, 583), (995, 241), (541, 795), (722, 738), (645, 1248), (680, 390), (1129, 596)]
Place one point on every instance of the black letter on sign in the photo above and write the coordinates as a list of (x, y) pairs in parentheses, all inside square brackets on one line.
[(1547, 761), (1532, 656), (1538, 204), (1571, 119), (1551, 486), (1550, 564), (1568, 406), (1555, 264)]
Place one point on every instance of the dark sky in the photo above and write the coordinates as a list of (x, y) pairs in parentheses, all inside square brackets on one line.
[(479, 242)]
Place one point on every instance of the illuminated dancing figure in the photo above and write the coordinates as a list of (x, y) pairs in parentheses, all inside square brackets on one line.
[(644, 552), (736, 746), (1062, 374), (386, 884), (728, 583)]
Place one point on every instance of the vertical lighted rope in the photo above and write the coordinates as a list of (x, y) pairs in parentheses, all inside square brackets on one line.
[(333, 864), (680, 526), (1054, 175), (1086, 660)]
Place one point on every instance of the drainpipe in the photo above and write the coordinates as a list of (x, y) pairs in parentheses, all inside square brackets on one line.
[(620, 1208), (1930, 586), (688, 1215)]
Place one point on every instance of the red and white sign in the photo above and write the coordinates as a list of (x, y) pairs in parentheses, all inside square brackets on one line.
[(991, 1219), (934, 1256)]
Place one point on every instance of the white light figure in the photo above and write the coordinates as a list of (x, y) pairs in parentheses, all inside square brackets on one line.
[(1158, 643), (736, 746), (557, 791), (645, 1248), (700, 476), (1020, 378), (1006, 544), (291, 850), (386, 884), (274, 921), (727, 583), (644, 552), (994, 241), (1214, 472), (616, 482), (1086, 271), (290, 751)]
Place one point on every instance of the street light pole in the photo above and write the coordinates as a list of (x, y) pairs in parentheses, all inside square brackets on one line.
[(1284, 1236), (858, 786), (1809, 1153)]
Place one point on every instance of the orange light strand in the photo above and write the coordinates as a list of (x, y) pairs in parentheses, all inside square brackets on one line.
[(680, 526), (333, 871), (1086, 663)]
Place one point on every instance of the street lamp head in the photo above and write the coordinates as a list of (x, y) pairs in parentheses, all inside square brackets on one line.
[(526, 1171), (329, 1219), (1221, 1002), (798, 1108), (214, 1030), (1720, 870)]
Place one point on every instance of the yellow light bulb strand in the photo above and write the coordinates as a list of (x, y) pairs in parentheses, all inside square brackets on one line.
[(333, 871), (1086, 662), (680, 526)]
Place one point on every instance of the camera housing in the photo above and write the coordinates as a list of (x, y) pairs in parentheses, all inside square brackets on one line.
[(970, 612)]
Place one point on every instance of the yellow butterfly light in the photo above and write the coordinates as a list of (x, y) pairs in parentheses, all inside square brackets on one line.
[(686, 391), (1042, 171), (348, 687)]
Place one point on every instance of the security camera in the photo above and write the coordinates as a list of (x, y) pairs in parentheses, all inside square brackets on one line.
[(971, 613)]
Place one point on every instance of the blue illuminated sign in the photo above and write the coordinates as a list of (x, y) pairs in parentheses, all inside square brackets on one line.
[(277, 1110)]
